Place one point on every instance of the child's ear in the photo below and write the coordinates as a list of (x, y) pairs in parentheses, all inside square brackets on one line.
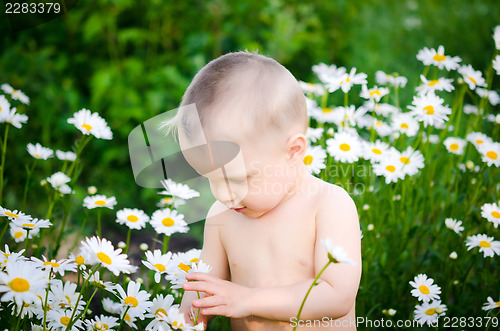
[(296, 146)]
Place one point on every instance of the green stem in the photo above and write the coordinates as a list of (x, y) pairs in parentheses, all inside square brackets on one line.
[(99, 223), (4, 150), (123, 317), (18, 324), (308, 291), (198, 311), (46, 303), (82, 314), (28, 177), (166, 239), (6, 226), (346, 99), (128, 240), (496, 316)]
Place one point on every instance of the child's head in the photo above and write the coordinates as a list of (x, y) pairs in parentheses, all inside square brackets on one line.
[(255, 102)]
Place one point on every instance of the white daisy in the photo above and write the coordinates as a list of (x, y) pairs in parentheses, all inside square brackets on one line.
[(96, 281), (15, 94), (4, 108), (91, 123), (383, 129), (169, 201), (472, 77), (59, 182), (412, 161), (60, 266), (385, 109), (440, 84), (375, 93), (158, 312), (314, 160), (346, 81), (496, 36), (496, 64), (14, 118), (491, 304), (40, 152), (21, 281), (492, 96), (375, 151), (487, 245), (128, 318), (168, 221), (390, 79), (344, 147), (31, 224), (134, 298), (455, 145), (7, 256), (180, 264), (491, 211), (12, 215), (349, 115), (178, 190), (59, 319), (490, 152), (336, 254), (69, 156), (309, 88), (99, 200), (324, 115), (390, 167), (102, 323), (177, 276), (327, 73), (470, 109), (19, 234), (454, 225), (438, 59), (429, 312), (424, 289), (97, 250), (157, 262), (478, 138), (176, 319), (405, 123), (314, 134), (110, 306), (64, 295), (429, 109), (133, 218)]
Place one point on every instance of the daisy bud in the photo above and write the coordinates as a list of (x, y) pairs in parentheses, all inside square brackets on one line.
[(455, 282), (384, 311), (469, 164), (395, 135), (460, 80), (366, 207), (497, 119), (34, 246), (370, 188), (473, 181), (432, 183), (43, 182), (144, 247), (476, 168), (89, 312), (92, 190), (391, 312), (98, 325), (451, 127), (462, 167), (439, 309), (453, 255), (370, 227), (122, 245), (127, 279), (139, 280), (330, 132), (163, 287)]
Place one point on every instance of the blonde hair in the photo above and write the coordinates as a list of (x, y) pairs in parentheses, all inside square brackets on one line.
[(269, 95)]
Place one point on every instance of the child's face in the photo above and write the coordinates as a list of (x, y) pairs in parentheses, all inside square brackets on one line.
[(255, 181)]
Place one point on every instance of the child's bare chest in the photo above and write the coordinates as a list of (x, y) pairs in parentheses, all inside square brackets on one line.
[(271, 251)]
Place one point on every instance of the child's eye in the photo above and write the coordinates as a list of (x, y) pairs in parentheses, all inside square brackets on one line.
[(238, 180)]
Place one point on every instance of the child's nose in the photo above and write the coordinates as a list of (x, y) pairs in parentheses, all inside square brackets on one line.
[(223, 193)]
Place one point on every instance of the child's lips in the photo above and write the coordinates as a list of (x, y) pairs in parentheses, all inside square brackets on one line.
[(239, 210)]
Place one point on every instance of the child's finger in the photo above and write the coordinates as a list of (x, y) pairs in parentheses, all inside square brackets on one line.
[(201, 286), (202, 276), (210, 301), (219, 310)]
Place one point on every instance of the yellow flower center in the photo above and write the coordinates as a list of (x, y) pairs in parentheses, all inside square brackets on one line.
[(28, 225), (132, 218), (160, 311), (184, 267), (100, 202), (195, 260), (479, 141), (404, 125), (472, 80), (18, 234), (433, 82), (484, 244), (495, 214), (52, 264), (327, 110), (492, 155), (64, 320), (19, 285), (347, 80), (160, 267), (497, 304), (378, 123), (454, 147), (104, 258), (390, 168), (8, 213), (344, 147), (127, 317), (404, 160), (168, 221), (177, 325), (376, 151), (430, 311), (308, 159), (37, 155), (439, 57), (424, 289), (87, 127), (131, 301), (80, 260), (372, 93), (429, 109)]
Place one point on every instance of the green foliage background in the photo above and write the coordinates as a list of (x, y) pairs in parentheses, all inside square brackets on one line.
[(131, 60)]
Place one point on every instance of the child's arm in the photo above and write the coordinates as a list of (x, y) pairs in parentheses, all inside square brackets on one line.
[(213, 254), (333, 297)]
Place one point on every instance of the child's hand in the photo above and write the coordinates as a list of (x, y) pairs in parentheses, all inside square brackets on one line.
[(223, 297)]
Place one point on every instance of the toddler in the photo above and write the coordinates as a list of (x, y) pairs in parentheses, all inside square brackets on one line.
[(262, 235)]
